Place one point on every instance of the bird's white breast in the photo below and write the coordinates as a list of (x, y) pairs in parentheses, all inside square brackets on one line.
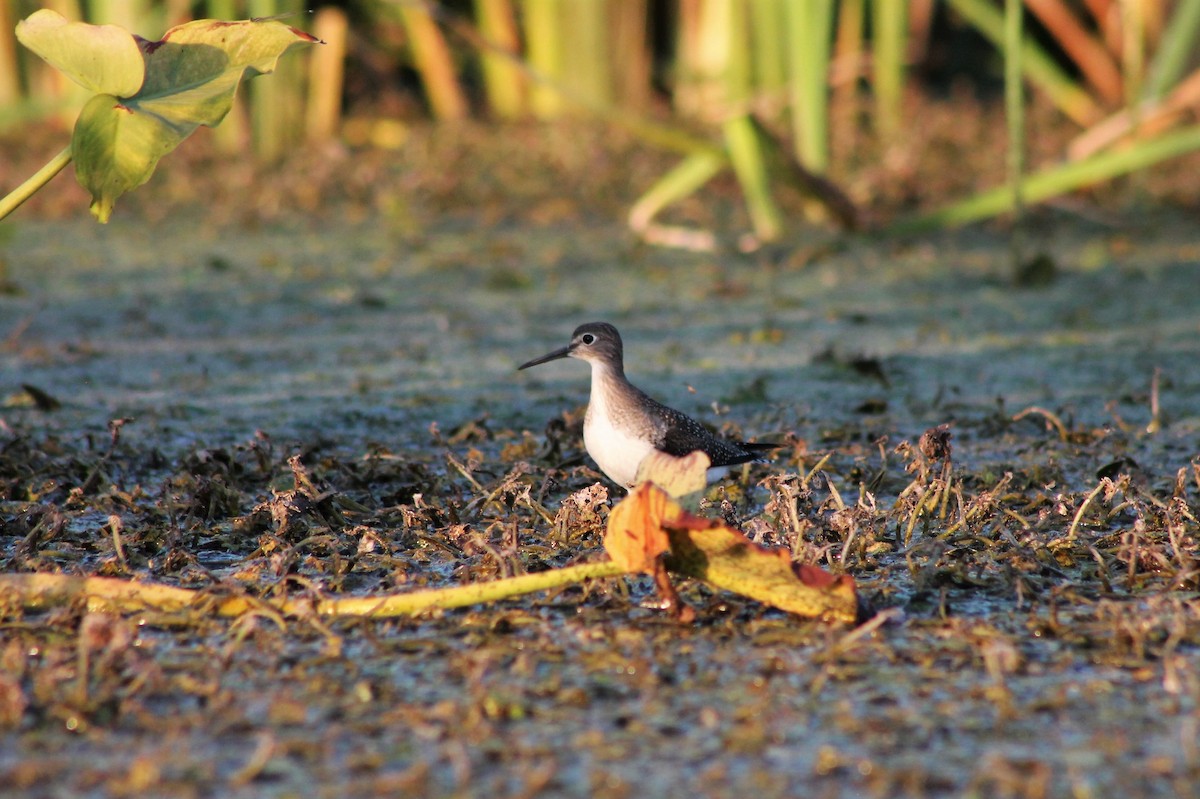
[(615, 451), (615, 447)]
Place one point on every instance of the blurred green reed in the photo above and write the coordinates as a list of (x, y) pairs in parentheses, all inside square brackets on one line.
[(888, 35), (810, 29), (1126, 129), (1039, 68), (1014, 113), (504, 82), (763, 81)]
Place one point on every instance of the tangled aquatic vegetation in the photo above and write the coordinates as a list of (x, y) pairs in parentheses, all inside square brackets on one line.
[(1011, 575)]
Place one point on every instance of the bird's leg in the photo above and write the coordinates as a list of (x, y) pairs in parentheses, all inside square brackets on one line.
[(668, 597)]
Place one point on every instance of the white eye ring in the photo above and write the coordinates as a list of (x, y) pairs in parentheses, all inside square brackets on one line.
[(588, 338)]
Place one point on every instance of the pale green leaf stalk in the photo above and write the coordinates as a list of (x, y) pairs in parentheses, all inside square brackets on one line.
[(749, 164), (737, 68), (150, 96), (1058, 180), (689, 175)]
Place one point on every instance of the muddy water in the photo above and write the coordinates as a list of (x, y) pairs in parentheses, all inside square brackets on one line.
[(299, 330), (358, 338)]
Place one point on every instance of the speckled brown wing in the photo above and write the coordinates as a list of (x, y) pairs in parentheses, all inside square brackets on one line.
[(680, 434)]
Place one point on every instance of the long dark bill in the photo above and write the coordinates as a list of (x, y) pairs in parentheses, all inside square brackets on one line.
[(549, 356)]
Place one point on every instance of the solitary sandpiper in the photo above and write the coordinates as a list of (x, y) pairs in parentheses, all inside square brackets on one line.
[(623, 425)]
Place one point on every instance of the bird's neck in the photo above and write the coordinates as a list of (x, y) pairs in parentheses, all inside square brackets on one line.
[(609, 386)]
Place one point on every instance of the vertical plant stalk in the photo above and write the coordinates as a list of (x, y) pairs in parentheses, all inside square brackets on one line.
[(1133, 24), (809, 27), (630, 45), (702, 57), (687, 36), (276, 115), (266, 116), (746, 148), (432, 59), (502, 78), (232, 135), (587, 63), (1175, 50), (323, 111), (543, 45), (1014, 114), (1039, 67), (734, 39), (1133, 53), (889, 33), (919, 28), (770, 53), (1087, 52), (844, 74), (13, 200), (746, 151)]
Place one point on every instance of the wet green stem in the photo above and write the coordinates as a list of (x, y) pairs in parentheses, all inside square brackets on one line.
[(114, 595), (19, 195), (459, 596)]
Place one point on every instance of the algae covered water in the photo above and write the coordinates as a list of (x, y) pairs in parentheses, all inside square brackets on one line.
[(1040, 618)]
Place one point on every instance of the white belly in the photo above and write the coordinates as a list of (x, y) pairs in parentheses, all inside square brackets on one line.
[(616, 453)]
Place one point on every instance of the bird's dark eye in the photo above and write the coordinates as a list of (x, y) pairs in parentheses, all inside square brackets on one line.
[(588, 338)]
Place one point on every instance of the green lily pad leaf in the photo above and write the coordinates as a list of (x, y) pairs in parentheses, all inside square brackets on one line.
[(103, 58), (193, 73), (150, 95), (116, 149)]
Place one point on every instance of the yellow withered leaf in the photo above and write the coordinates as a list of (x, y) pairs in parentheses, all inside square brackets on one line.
[(648, 530)]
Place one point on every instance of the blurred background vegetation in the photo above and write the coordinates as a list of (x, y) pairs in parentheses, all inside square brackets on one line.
[(780, 96)]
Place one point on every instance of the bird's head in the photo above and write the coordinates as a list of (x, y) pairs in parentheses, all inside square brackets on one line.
[(594, 342)]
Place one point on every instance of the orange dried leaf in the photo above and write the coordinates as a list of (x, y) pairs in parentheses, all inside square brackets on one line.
[(635, 537), (648, 524)]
